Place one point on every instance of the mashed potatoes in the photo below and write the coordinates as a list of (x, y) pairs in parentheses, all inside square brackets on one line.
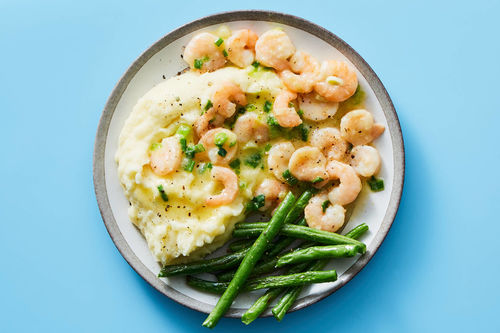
[(183, 225)]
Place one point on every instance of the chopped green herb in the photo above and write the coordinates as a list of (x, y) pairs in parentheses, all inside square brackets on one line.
[(155, 146), (267, 147), (254, 159), (208, 105), (300, 113), (162, 193), (189, 165), (183, 130), (183, 143), (190, 152), (224, 53), (376, 185), (275, 130), (256, 64), (242, 185), (198, 148), (235, 165), (268, 106), (325, 205), (219, 41), (222, 152), (203, 168), (232, 144), (198, 63), (209, 165), (250, 107), (220, 139), (256, 203), (304, 132), (290, 179), (317, 180)]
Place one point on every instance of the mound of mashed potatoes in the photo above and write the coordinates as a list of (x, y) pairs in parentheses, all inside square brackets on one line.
[(184, 226)]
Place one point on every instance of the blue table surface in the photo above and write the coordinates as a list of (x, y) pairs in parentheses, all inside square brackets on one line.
[(436, 271)]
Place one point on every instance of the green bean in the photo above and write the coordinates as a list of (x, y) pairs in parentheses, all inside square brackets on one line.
[(279, 281), (284, 242), (298, 207), (281, 308), (201, 266), (253, 255), (297, 231), (318, 252), (357, 231), (240, 244), (261, 303)]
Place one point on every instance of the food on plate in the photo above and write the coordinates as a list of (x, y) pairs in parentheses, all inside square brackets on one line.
[(255, 126)]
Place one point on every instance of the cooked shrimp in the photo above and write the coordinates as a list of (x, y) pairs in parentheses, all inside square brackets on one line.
[(218, 154), (330, 142), (350, 184), (330, 219), (278, 158), (248, 127), (240, 47), (273, 48), (225, 96), (308, 164), (336, 81), (315, 108), (273, 191), (230, 182), (167, 158), (365, 160), (303, 74), (207, 121), (283, 112), (358, 127), (202, 52)]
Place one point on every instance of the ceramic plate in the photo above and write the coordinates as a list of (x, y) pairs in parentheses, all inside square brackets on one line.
[(162, 60)]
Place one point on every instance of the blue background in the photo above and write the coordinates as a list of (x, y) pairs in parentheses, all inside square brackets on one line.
[(436, 271)]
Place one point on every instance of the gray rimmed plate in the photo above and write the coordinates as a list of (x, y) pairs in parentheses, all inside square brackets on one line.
[(162, 60)]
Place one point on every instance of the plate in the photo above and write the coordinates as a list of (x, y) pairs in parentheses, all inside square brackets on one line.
[(162, 60)]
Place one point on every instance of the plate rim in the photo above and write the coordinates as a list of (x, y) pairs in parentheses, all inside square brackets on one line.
[(99, 177)]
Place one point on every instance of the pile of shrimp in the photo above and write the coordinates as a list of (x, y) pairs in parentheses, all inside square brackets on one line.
[(334, 160)]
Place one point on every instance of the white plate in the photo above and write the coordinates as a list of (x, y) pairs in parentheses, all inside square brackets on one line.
[(163, 59)]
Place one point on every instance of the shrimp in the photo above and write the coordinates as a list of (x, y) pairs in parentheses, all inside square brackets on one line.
[(230, 191), (240, 47), (358, 127), (207, 121), (283, 112), (303, 74), (248, 127), (218, 154), (317, 217), (350, 184), (308, 164), (202, 54), (224, 96), (167, 158), (330, 142), (315, 108), (336, 81), (273, 191), (365, 160), (278, 158), (273, 48)]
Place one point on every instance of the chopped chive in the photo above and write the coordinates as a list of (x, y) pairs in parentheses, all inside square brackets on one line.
[(219, 41), (300, 112), (222, 152), (183, 143), (190, 152), (304, 132), (189, 165), (376, 185), (290, 179), (198, 63), (232, 144), (250, 107), (268, 106), (254, 159), (267, 147), (224, 53), (208, 105), (209, 165), (317, 180), (162, 193), (235, 165), (220, 139), (155, 146), (325, 205), (256, 203), (256, 64), (242, 185), (183, 130), (198, 148)]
